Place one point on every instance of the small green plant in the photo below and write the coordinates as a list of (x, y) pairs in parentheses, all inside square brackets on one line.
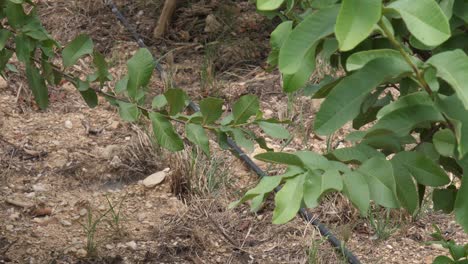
[(313, 256), (458, 253), (382, 224), (116, 216), (90, 228)]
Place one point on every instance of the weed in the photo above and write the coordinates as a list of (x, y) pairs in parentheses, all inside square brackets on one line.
[(116, 216), (382, 225), (194, 173), (90, 228), (313, 251)]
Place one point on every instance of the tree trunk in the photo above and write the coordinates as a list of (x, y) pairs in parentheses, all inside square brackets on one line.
[(165, 18)]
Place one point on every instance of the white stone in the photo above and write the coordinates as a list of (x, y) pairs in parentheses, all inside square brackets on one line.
[(14, 216), (68, 124), (132, 245), (83, 212), (3, 83), (65, 223), (154, 179), (109, 246), (39, 187), (81, 253)]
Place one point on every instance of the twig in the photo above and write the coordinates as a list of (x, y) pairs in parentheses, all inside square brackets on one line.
[(18, 203)]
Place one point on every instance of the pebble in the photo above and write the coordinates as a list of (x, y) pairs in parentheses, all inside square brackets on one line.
[(132, 245), (14, 216), (141, 217), (109, 246), (83, 212), (68, 124), (3, 83), (81, 253), (9, 227), (154, 179), (65, 223), (39, 187)]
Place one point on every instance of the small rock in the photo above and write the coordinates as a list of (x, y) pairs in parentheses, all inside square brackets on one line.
[(68, 124), (9, 227), (437, 246), (102, 208), (3, 83), (65, 223), (154, 179), (39, 187), (141, 217), (81, 253), (83, 212), (267, 113), (109, 246), (14, 216), (114, 125), (132, 245)]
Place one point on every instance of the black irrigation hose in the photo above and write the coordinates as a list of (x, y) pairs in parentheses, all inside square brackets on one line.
[(352, 259)]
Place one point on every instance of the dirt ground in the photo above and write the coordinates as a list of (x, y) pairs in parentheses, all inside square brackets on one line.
[(71, 187)]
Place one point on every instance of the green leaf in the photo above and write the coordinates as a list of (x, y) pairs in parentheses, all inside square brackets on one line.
[(447, 7), (80, 46), (90, 97), (357, 60), (176, 99), (37, 85), (128, 111), (280, 158), (274, 130), (454, 109), (357, 154), (355, 187), (461, 9), (269, 5), (241, 140), (4, 36), (316, 185), (266, 185), (102, 73), (121, 85), (452, 66), (405, 187), (293, 82), (305, 35), (418, 98), (404, 119), (423, 169), (424, 19), (313, 160), (344, 101), (382, 187), (444, 142), (165, 133), (211, 109), (159, 101), (288, 200), (196, 134), (5, 56), (461, 204), (140, 68), (24, 48), (442, 260), (15, 14), (244, 108), (444, 199), (351, 28)]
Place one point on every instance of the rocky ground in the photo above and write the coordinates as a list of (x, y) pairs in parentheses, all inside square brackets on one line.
[(74, 184)]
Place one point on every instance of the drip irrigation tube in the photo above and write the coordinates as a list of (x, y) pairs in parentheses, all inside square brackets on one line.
[(337, 244)]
